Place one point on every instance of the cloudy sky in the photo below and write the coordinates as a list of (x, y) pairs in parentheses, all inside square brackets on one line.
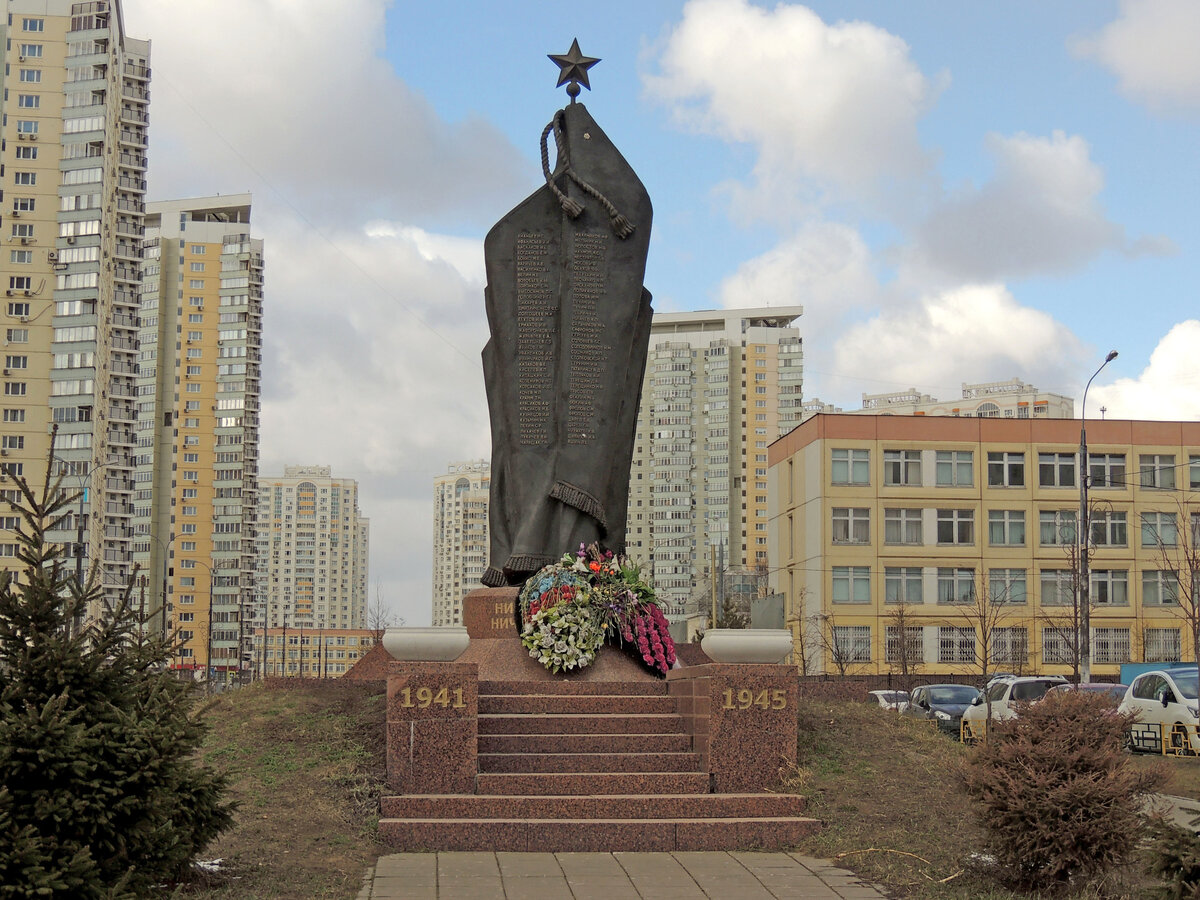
[(954, 192)]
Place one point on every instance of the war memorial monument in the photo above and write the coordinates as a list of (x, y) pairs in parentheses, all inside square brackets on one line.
[(559, 718)]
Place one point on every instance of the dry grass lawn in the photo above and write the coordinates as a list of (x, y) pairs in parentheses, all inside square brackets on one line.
[(306, 765)]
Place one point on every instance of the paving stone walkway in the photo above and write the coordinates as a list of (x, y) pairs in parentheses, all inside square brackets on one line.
[(612, 876)]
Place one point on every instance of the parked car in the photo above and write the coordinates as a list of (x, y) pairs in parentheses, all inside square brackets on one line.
[(897, 700), (1166, 697), (942, 703), (1005, 696)]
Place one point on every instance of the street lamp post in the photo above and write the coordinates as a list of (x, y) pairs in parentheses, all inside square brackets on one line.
[(208, 667), (1082, 535), (85, 481), (162, 611)]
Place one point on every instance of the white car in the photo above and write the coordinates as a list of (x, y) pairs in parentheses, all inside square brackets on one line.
[(1165, 697), (897, 700), (1007, 694)]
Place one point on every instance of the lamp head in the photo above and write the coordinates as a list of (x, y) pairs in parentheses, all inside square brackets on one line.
[(1112, 354)]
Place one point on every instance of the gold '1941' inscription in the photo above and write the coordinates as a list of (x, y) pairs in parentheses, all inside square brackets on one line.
[(764, 699), (425, 697)]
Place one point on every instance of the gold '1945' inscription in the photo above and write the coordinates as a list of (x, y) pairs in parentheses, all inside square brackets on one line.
[(764, 699)]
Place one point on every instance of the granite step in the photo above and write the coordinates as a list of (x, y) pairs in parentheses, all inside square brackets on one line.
[(580, 783), (601, 806), (588, 762), (656, 687), (575, 704), (610, 723), (584, 835), (584, 743)]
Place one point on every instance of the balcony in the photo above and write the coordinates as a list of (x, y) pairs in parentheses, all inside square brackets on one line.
[(136, 93)]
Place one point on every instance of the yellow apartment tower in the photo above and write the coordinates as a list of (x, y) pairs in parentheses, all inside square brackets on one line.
[(313, 553), (73, 156), (720, 385), (460, 536), (898, 541), (197, 426)]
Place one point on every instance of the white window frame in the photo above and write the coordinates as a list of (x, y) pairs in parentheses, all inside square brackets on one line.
[(902, 525), (852, 521), (1054, 469), (1009, 524), (902, 468), (1005, 468), (856, 462), (961, 523)]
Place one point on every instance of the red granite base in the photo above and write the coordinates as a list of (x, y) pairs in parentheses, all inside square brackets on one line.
[(604, 806)]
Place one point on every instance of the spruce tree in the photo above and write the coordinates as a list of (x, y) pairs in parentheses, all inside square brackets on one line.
[(100, 792)]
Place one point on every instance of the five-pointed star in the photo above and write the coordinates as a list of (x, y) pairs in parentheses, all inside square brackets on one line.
[(573, 65)]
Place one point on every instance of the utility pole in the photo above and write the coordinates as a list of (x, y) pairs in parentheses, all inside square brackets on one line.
[(1083, 528), (712, 571)]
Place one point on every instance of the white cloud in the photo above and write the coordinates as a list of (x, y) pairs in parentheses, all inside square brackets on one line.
[(824, 267), (294, 93), (1151, 48), (1168, 388), (838, 104), (1040, 213), (372, 366), (968, 334)]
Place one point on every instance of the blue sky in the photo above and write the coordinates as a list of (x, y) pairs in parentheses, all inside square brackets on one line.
[(955, 192)]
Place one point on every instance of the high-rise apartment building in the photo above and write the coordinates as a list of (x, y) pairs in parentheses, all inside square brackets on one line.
[(313, 545), (74, 136), (197, 424), (897, 540), (460, 536), (720, 385)]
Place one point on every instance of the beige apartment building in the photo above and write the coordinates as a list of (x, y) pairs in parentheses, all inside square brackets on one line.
[(200, 359), (74, 136), (886, 531), (1012, 399), (720, 386), (323, 653), (460, 536), (313, 552)]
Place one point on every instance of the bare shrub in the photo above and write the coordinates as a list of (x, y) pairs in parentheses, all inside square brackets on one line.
[(1059, 800)]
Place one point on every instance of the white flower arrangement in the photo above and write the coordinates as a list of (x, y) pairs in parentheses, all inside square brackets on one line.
[(563, 638)]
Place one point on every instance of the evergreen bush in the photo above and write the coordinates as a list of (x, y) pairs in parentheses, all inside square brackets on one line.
[(1059, 799), (100, 793), (1174, 856)]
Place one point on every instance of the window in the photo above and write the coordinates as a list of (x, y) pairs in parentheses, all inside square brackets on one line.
[(956, 526), (902, 526), (26, 178), (1056, 469), (195, 284), (902, 585), (1056, 527), (1057, 587), (193, 370), (1007, 585), (20, 256), (1110, 587), (30, 76), (1108, 529), (1159, 529), (912, 651), (902, 467), (1160, 588), (1006, 527), (1010, 645), (14, 415), (27, 152), (852, 643), (29, 101), (14, 388), (1161, 645), (1110, 645), (1006, 469), (851, 584), (31, 51), (1195, 529), (33, 24), (16, 362), (1194, 471), (196, 266), (851, 467), (1158, 471), (1056, 647), (956, 645), (956, 585), (17, 335), (13, 442), (851, 525), (1106, 470), (954, 468), (27, 126)]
